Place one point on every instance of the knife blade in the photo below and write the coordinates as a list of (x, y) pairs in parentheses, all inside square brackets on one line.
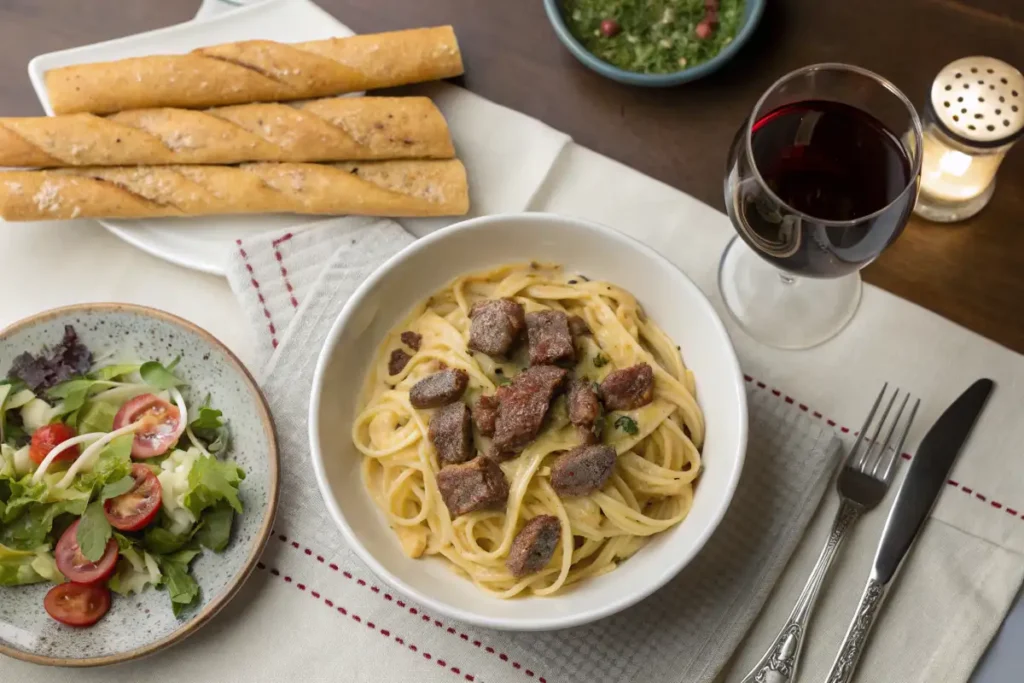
[(926, 477)]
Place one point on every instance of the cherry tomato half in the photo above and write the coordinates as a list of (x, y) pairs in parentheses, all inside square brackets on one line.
[(77, 604), (47, 437), (74, 565), (161, 424), (134, 510)]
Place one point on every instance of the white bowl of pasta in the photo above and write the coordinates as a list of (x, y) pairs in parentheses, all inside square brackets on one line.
[(460, 461)]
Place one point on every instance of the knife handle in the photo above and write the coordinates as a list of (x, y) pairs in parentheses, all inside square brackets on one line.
[(857, 635)]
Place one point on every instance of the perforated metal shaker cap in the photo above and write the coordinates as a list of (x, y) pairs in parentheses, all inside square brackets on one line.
[(980, 100)]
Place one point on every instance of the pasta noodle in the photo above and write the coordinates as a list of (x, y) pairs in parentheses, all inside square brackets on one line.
[(657, 465)]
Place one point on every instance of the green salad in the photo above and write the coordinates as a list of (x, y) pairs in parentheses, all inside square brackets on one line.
[(109, 480), (654, 36)]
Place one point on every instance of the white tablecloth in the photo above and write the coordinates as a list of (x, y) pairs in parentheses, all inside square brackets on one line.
[(979, 514), (918, 350)]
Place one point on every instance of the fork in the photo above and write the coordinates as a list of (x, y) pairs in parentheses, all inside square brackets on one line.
[(862, 484)]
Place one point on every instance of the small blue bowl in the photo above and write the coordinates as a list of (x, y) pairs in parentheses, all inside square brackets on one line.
[(752, 11)]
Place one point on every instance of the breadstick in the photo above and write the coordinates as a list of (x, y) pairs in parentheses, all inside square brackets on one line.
[(373, 188), (333, 129), (256, 71)]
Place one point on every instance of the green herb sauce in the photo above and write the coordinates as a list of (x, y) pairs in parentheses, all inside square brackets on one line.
[(654, 36)]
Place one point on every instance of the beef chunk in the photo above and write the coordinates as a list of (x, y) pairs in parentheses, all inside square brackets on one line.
[(412, 340), (629, 388), (534, 545), (398, 361), (584, 406), (582, 470), (550, 341), (496, 324), (475, 485), (485, 412), (578, 326), (451, 433), (522, 406), (439, 389), (589, 434), (585, 411)]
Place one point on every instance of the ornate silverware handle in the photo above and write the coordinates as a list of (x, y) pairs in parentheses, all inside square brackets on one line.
[(779, 663), (857, 635)]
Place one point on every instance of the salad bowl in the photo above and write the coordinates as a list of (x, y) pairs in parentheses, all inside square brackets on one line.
[(135, 347)]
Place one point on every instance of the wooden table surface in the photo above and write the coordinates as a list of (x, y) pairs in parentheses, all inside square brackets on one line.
[(971, 273)]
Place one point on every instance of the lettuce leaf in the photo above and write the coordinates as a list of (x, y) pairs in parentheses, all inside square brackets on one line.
[(118, 487), (214, 529), (211, 481), (110, 372), (113, 463), (181, 587), (21, 567), (46, 566), (32, 527), (93, 532), (211, 427), (96, 416), (7, 469), (156, 375), (29, 509), (72, 395), (161, 541)]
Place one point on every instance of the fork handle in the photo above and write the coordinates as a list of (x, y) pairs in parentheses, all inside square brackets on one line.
[(857, 635), (779, 663)]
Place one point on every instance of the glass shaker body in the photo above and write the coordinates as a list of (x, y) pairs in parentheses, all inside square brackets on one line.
[(974, 114), (957, 180)]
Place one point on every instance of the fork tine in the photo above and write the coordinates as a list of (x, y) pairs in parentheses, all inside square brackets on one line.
[(883, 453), (855, 457), (874, 452), (887, 477)]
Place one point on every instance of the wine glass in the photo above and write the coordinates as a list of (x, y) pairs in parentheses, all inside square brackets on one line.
[(822, 177)]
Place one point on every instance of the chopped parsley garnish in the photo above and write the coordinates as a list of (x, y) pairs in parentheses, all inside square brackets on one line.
[(627, 424), (600, 361), (653, 36)]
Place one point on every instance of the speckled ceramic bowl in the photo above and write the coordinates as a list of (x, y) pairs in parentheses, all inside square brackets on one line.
[(142, 624)]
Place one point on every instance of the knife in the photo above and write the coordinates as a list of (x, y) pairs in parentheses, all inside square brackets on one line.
[(925, 479)]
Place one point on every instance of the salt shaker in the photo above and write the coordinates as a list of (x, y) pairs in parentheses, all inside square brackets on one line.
[(974, 115)]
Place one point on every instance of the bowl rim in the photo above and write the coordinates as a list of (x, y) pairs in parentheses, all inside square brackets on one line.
[(202, 617), (553, 9), (577, 618)]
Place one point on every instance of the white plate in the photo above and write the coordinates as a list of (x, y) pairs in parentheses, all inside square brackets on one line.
[(668, 297), (199, 243)]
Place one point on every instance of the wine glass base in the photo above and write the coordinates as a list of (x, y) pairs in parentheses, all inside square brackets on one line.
[(781, 310)]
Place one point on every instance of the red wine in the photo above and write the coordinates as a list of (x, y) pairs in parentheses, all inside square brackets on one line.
[(822, 161)]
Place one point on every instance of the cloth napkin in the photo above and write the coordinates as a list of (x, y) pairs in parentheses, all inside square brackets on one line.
[(293, 285)]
